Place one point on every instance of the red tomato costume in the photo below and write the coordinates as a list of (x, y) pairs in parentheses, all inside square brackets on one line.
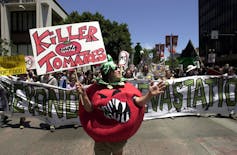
[(115, 116)]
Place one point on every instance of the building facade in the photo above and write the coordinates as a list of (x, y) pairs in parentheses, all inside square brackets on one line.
[(18, 16), (218, 31)]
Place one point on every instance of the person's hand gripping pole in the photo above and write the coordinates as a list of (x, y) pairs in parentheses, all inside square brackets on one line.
[(83, 96), (80, 91)]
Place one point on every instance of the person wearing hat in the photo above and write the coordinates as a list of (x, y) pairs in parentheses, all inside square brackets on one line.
[(191, 70), (112, 109)]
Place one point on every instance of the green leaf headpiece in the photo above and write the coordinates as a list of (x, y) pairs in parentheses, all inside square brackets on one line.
[(107, 66)]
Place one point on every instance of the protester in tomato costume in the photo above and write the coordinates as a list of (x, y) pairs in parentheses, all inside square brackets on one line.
[(113, 109)]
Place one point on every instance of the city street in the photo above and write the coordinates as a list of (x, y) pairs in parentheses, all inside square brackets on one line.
[(181, 135)]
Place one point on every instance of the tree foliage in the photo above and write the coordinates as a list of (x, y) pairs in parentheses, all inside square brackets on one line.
[(156, 57), (137, 54), (173, 63), (116, 36)]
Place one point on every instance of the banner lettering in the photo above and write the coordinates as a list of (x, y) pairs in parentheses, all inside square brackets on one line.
[(183, 96)]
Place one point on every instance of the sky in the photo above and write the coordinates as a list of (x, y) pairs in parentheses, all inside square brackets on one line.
[(149, 21)]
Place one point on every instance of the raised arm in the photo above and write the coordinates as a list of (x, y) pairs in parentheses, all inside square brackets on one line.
[(83, 96), (154, 89)]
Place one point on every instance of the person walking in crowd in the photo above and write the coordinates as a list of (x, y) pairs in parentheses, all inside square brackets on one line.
[(231, 71), (81, 77), (191, 70), (63, 80), (31, 76), (168, 75), (112, 109), (3, 106), (133, 69), (128, 73), (144, 73), (89, 77), (49, 79), (23, 77), (72, 83)]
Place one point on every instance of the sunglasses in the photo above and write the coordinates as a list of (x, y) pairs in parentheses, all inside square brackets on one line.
[(116, 68)]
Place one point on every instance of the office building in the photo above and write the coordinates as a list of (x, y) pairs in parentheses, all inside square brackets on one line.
[(218, 31), (18, 16)]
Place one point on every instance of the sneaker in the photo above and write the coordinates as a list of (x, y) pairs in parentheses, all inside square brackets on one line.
[(21, 126), (75, 126), (1, 123), (5, 118), (22, 121), (52, 128)]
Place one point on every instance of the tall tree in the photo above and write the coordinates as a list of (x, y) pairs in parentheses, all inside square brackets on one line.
[(116, 36), (137, 54)]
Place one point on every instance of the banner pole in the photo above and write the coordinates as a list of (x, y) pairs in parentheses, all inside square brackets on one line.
[(80, 96), (121, 70)]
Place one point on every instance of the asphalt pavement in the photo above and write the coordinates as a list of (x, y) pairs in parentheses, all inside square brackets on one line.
[(177, 136)]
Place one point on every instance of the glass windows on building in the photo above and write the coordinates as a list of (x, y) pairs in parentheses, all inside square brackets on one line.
[(25, 49), (23, 21)]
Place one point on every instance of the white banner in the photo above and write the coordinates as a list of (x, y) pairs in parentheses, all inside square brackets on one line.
[(193, 95), (64, 47), (183, 96)]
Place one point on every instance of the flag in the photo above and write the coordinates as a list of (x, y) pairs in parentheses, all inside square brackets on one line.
[(173, 50), (174, 40), (162, 50), (167, 41), (157, 48)]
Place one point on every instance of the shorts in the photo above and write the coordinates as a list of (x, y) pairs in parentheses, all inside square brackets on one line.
[(106, 148)]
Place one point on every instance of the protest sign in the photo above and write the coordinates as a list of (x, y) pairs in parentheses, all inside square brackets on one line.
[(12, 65), (30, 62), (123, 59), (64, 47)]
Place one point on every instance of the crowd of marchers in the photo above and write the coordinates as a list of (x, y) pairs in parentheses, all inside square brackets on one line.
[(67, 79)]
